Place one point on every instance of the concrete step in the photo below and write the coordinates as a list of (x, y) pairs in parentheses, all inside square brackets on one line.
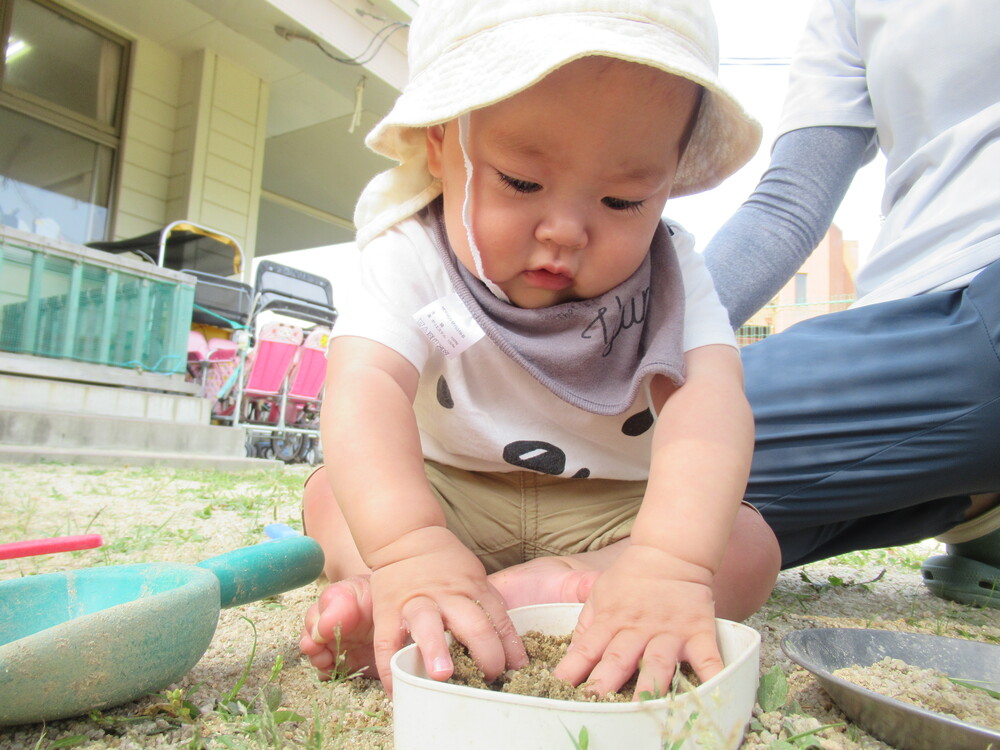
[(21, 392), (92, 456), (84, 372), (54, 429)]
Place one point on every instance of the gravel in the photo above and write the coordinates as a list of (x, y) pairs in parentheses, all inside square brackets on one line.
[(148, 515)]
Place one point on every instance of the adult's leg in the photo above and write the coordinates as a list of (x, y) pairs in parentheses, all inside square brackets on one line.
[(876, 424)]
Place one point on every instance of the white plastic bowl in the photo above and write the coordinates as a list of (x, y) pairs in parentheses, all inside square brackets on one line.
[(437, 715)]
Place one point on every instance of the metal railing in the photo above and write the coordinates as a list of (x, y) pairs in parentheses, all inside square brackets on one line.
[(774, 318)]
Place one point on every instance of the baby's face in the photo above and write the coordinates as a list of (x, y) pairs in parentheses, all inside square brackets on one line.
[(570, 178)]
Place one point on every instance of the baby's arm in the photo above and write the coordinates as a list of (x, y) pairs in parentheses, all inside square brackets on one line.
[(424, 579), (654, 607)]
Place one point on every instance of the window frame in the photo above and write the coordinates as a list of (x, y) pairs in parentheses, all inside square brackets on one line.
[(52, 114), (801, 288)]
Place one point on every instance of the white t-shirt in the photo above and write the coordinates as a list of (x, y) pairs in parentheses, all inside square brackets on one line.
[(481, 411), (926, 75)]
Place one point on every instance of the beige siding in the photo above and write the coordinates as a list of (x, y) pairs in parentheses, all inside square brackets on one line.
[(228, 173), (219, 144), (150, 125), (193, 143), (222, 194)]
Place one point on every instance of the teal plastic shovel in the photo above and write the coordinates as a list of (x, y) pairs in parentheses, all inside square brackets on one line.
[(99, 637)]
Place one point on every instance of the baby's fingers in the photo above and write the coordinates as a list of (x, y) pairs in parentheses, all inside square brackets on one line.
[(656, 670), (425, 622), (703, 655), (478, 630), (586, 649), (515, 656), (618, 663)]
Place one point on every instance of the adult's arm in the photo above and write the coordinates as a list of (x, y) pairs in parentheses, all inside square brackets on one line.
[(770, 236)]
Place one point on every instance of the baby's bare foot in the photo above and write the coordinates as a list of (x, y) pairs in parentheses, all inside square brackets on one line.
[(545, 580), (337, 636), (550, 580)]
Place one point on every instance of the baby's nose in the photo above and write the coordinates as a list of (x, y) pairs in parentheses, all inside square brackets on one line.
[(564, 229)]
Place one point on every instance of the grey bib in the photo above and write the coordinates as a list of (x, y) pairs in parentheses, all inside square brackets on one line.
[(592, 353)]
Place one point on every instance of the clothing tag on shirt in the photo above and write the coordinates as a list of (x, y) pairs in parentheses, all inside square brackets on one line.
[(449, 325)]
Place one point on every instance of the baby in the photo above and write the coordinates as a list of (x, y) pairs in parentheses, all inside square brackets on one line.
[(535, 395)]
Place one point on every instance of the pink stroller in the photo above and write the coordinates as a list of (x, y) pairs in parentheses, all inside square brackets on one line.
[(277, 391), (306, 379), (267, 369)]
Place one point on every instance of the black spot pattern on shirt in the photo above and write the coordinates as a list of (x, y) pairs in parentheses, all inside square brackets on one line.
[(637, 424), (444, 394), (535, 455), (582, 474)]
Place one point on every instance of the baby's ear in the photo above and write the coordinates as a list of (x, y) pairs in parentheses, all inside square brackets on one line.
[(435, 144)]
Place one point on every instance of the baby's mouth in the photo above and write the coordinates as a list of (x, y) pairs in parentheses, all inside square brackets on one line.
[(544, 278)]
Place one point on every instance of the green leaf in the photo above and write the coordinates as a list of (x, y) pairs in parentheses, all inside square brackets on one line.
[(582, 742), (804, 740), (973, 684), (280, 717), (773, 690), (76, 739), (272, 697)]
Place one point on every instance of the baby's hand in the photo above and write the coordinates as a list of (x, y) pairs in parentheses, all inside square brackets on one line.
[(430, 582), (651, 611)]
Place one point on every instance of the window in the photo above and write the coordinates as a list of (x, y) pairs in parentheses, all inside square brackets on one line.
[(750, 333), (801, 288), (62, 83)]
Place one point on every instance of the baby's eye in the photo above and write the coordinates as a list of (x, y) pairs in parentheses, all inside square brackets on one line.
[(518, 186), (620, 204)]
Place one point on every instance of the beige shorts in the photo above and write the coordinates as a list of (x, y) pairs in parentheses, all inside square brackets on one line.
[(507, 518)]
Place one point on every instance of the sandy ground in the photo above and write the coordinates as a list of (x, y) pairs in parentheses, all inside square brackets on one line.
[(148, 515)]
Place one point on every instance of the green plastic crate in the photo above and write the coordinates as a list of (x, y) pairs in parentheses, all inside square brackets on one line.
[(55, 302)]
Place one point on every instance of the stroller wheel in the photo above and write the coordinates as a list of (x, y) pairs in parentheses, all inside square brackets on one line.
[(311, 455), (288, 446)]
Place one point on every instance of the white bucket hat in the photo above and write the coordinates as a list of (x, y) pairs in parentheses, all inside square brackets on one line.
[(467, 54)]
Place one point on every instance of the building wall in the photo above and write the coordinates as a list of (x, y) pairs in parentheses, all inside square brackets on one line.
[(219, 149), (193, 142), (150, 141), (829, 286)]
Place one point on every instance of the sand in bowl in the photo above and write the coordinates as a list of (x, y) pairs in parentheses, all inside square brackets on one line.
[(536, 678), (929, 689)]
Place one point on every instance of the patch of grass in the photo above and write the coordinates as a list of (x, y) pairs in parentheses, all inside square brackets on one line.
[(909, 558), (836, 582)]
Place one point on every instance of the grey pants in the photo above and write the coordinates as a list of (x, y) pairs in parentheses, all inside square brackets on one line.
[(875, 424)]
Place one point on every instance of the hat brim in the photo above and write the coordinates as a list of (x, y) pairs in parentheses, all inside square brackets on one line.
[(476, 72)]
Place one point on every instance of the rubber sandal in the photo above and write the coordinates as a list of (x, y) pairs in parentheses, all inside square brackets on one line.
[(962, 580)]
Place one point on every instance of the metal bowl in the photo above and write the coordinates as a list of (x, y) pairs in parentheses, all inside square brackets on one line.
[(905, 726)]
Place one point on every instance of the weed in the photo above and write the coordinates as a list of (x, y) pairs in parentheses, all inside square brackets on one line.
[(836, 582), (804, 740), (773, 690), (174, 705), (582, 740), (689, 724), (72, 741), (976, 685)]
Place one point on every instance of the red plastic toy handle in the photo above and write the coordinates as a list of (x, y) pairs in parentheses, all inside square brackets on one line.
[(10, 550)]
